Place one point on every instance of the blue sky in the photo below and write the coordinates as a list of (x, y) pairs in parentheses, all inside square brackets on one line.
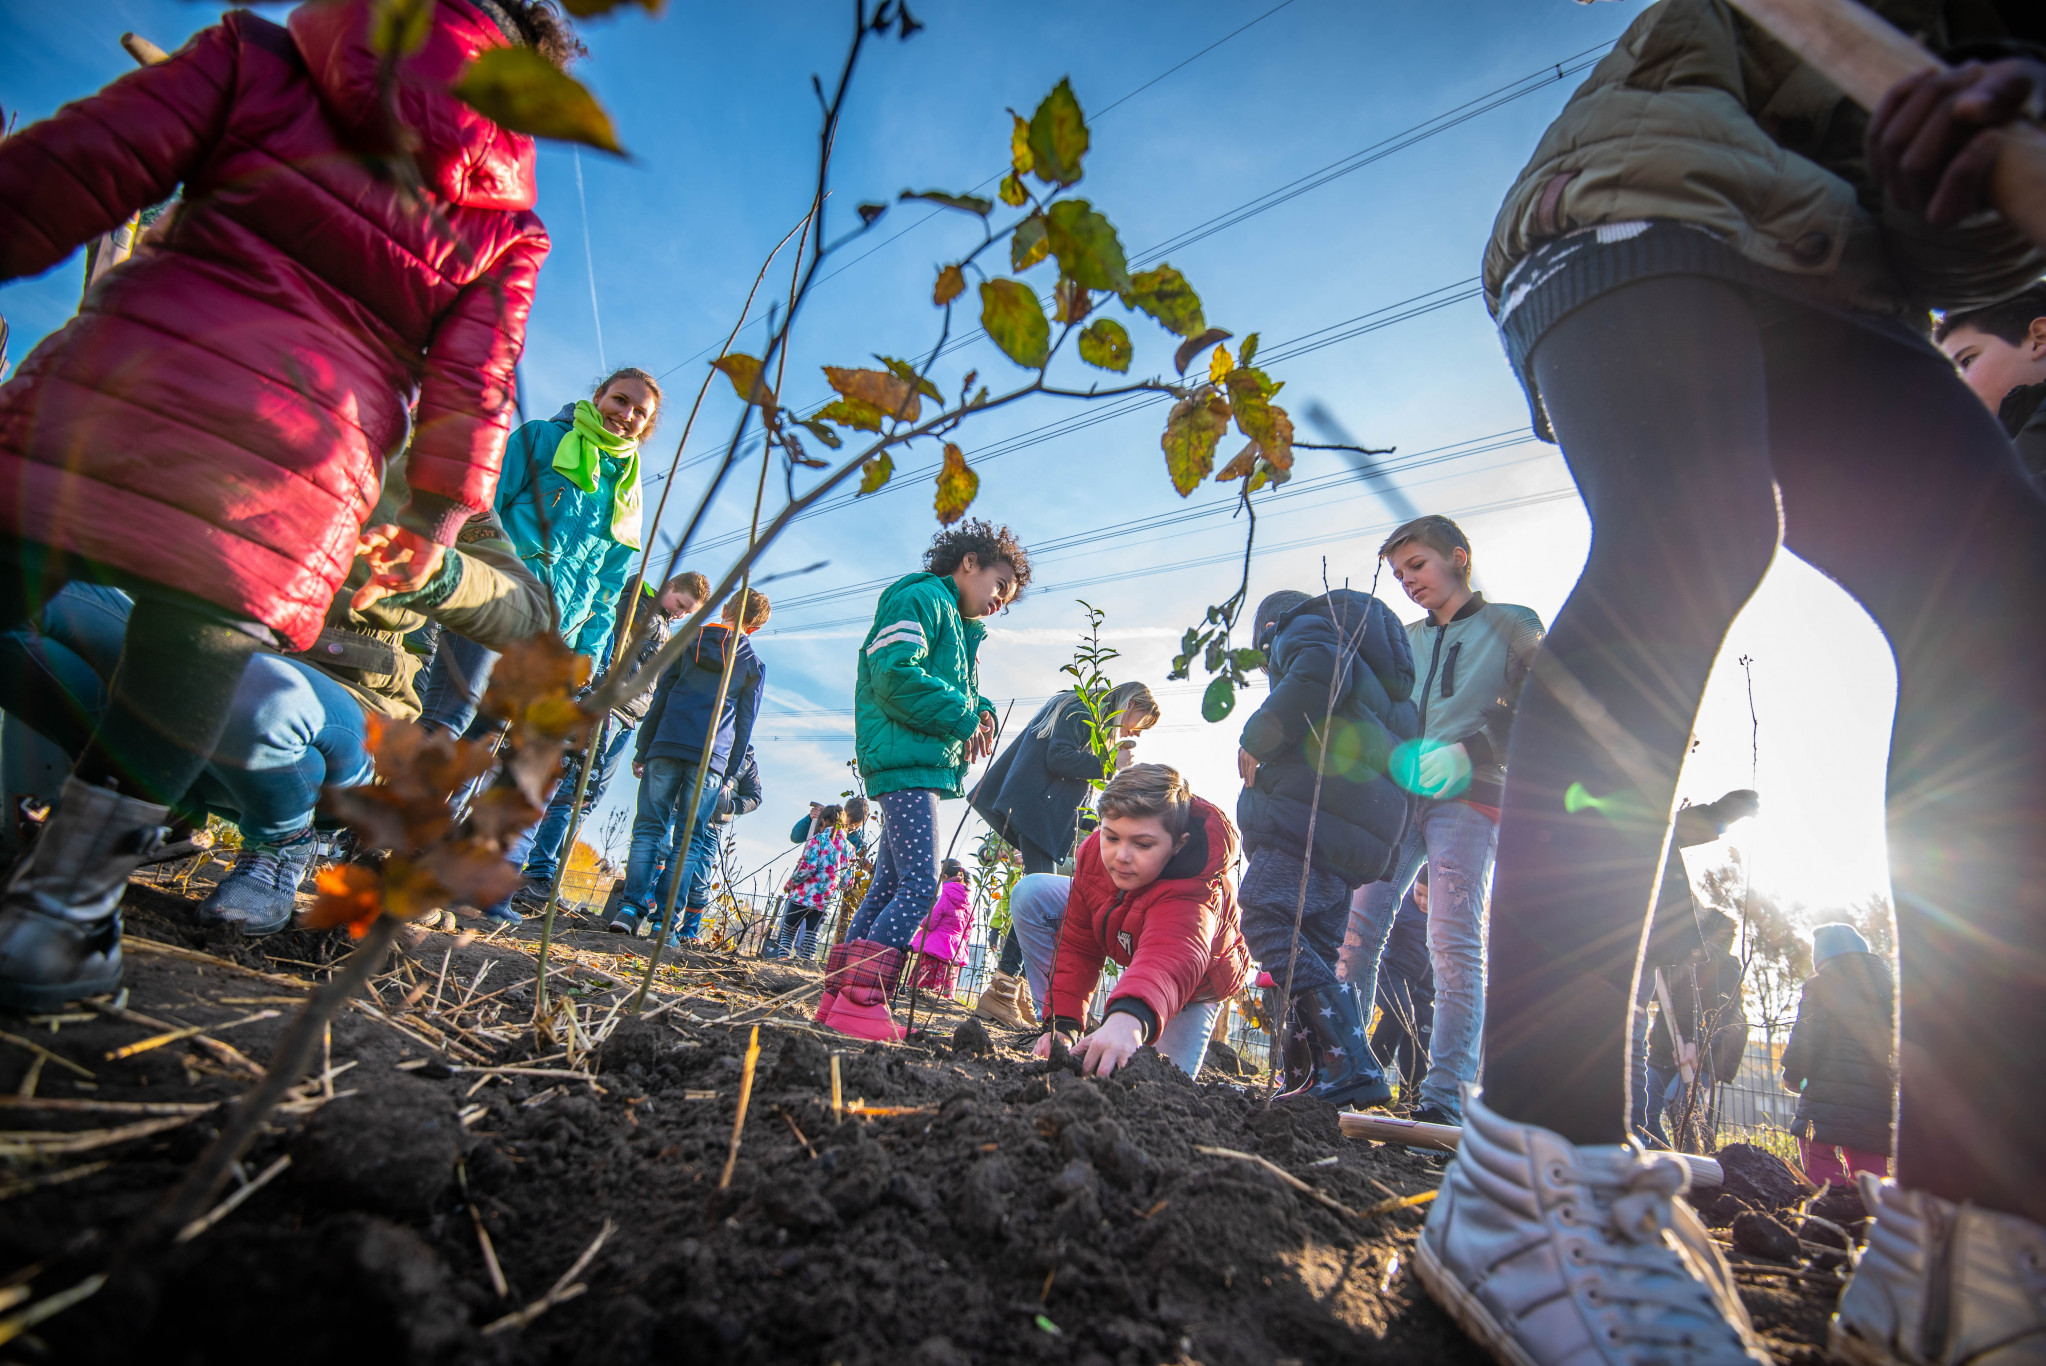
[(716, 108)]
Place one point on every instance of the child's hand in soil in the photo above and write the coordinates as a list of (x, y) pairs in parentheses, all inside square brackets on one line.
[(1110, 1045)]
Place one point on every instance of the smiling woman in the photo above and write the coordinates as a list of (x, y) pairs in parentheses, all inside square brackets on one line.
[(570, 500)]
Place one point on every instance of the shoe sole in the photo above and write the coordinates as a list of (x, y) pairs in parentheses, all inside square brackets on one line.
[(1856, 1350), (1464, 1308), (29, 998)]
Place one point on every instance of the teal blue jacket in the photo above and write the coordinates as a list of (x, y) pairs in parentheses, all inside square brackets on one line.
[(916, 699), (564, 534)]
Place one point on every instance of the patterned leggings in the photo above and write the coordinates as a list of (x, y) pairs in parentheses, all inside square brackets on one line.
[(906, 874)]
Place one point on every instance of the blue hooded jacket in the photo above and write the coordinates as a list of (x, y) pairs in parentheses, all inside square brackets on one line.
[(1355, 639), (675, 724), (564, 534)]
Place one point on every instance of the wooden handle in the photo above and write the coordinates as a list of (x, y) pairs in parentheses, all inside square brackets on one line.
[(142, 50), (1865, 56), (1706, 1172)]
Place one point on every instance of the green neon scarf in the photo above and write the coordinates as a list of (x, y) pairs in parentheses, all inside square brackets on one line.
[(579, 457)]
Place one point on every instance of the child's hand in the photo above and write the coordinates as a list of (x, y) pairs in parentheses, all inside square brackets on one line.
[(1042, 1048), (400, 561), (1246, 766), (1443, 771), (1110, 1045)]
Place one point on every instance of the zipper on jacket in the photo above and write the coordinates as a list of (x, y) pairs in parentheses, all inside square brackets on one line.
[(1434, 658)]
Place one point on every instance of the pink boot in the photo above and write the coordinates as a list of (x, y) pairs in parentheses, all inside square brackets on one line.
[(834, 967), (865, 975)]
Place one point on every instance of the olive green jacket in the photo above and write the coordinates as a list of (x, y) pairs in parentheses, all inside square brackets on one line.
[(483, 591), (1699, 116)]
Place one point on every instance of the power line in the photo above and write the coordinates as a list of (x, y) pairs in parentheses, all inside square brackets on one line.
[(1097, 116), (1497, 98)]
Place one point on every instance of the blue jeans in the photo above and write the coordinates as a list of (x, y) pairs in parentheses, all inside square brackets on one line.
[(1665, 1090), (551, 834), (1269, 896), (905, 885), (1037, 911), (455, 683), (703, 857), (290, 730), (663, 802), (1458, 843)]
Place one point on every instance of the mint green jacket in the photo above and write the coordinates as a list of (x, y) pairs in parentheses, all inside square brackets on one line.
[(916, 698)]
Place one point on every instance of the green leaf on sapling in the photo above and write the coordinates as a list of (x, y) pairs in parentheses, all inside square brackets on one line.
[(957, 485), (822, 432), (521, 91), (1013, 317), (876, 471), (1164, 293), (1012, 192), (1219, 700), (1028, 244), (1057, 137), (1088, 250), (1105, 344), (851, 412), (1189, 441), (970, 203)]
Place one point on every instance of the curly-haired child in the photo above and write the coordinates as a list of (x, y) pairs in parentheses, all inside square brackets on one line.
[(919, 721)]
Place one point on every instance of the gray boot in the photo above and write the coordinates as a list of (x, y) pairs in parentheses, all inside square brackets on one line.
[(60, 926), (260, 893)]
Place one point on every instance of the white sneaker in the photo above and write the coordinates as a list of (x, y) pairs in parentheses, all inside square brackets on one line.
[(1941, 1284), (1549, 1253)]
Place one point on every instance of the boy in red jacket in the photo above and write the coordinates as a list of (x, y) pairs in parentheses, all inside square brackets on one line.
[(1155, 890)]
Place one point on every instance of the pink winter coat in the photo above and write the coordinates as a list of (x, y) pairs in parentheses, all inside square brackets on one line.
[(217, 416), (943, 934)]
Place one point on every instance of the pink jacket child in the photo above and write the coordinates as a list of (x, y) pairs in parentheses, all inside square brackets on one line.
[(942, 937), (821, 870)]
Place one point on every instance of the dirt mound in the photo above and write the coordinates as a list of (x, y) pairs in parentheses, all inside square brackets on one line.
[(969, 1205)]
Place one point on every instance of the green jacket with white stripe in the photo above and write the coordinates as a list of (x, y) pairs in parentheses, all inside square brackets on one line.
[(917, 698)]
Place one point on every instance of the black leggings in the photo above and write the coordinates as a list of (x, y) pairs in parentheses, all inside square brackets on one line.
[(1683, 406), (167, 701)]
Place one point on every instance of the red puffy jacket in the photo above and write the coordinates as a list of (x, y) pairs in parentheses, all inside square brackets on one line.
[(217, 415), (1179, 940)]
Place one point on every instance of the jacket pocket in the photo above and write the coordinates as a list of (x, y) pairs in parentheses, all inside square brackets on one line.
[(1449, 670)]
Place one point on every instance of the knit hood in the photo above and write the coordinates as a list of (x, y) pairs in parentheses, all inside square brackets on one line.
[(1830, 941)]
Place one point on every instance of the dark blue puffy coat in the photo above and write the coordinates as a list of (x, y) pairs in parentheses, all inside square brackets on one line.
[(1354, 639), (680, 716)]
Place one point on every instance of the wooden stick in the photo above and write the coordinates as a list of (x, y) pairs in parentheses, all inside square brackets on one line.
[(14, 1325), (497, 1281), (175, 1035), (745, 1094), (26, 1184), (837, 1094), (1866, 57), (31, 1077), (43, 1052), (48, 1144), (1276, 1170), (441, 981), (563, 1290), (107, 1107), (129, 941), (233, 1202), (1705, 1171)]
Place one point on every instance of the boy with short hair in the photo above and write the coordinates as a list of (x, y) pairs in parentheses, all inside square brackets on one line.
[(2001, 354), (1152, 890), (1472, 657), (671, 748), (919, 721), (1316, 756)]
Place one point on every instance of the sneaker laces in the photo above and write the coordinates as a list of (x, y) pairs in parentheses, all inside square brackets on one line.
[(258, 862), (1637, 1199)]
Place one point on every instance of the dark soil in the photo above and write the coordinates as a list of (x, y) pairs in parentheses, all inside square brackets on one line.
[(1010, 1212)]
